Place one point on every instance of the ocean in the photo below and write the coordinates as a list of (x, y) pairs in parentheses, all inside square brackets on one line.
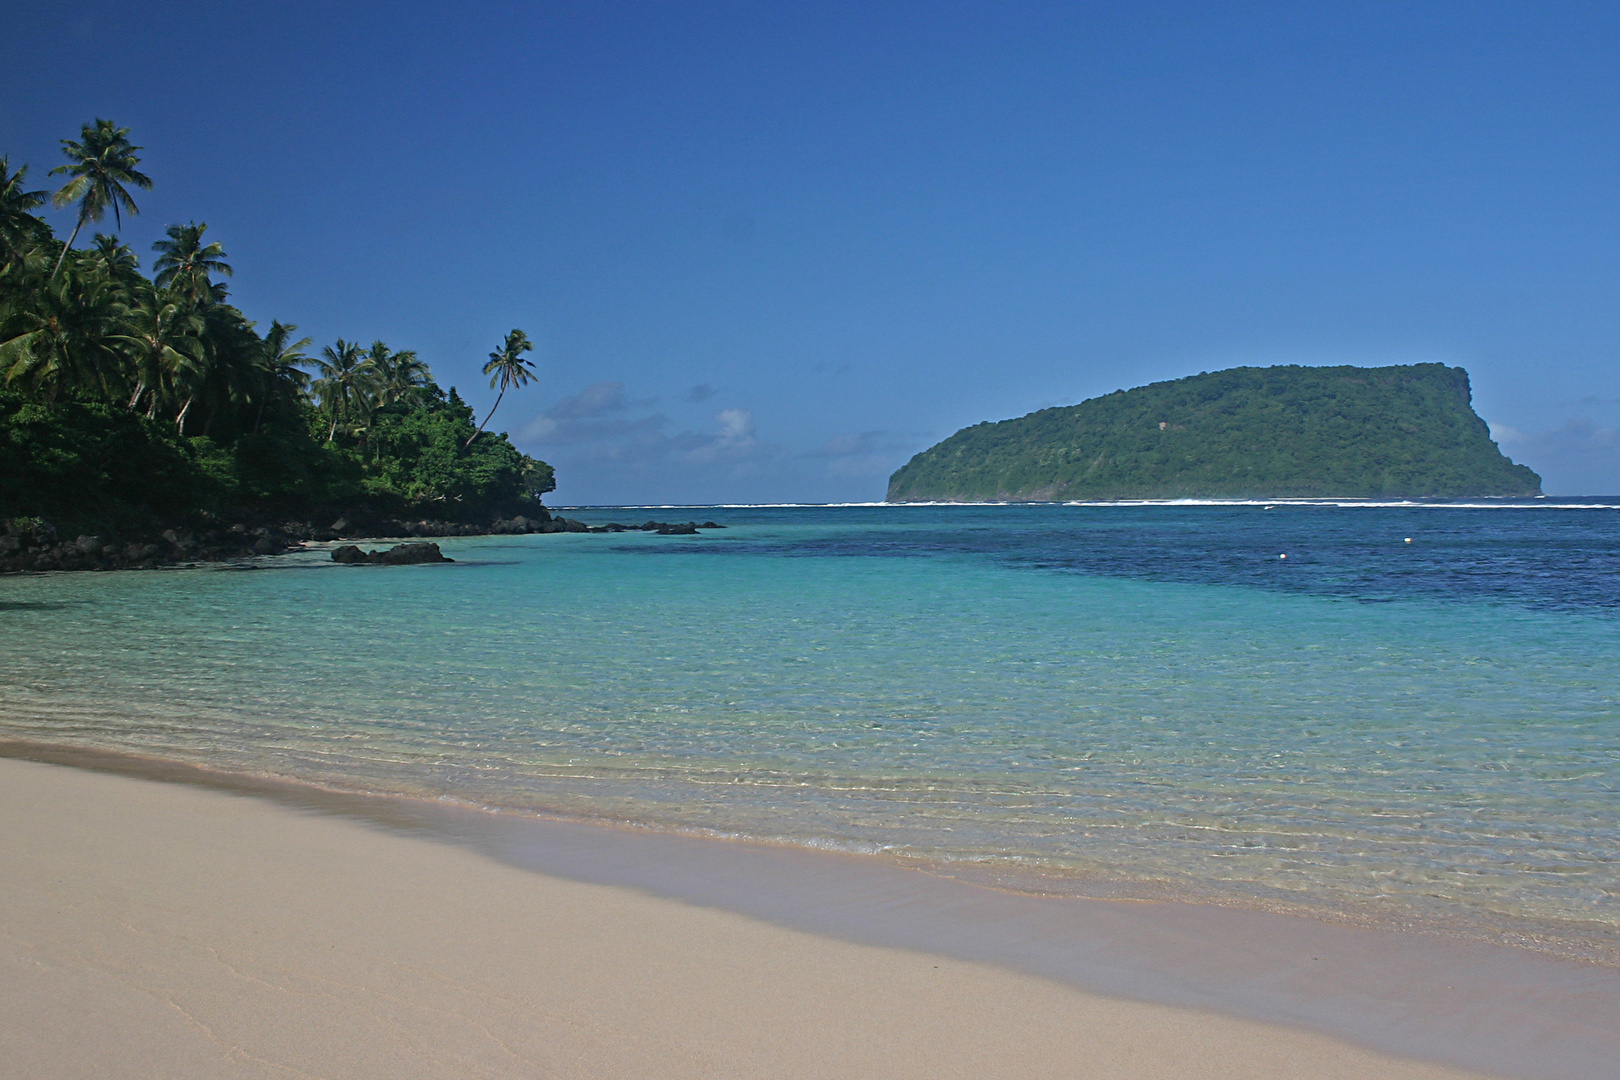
[(1393, 714)]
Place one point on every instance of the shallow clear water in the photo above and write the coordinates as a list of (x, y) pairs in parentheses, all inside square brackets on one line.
[(1134, 699)]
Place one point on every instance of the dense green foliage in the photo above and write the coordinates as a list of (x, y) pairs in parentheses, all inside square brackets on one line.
[(57, 460), (1278, 432), (419, 454), (126, 398)]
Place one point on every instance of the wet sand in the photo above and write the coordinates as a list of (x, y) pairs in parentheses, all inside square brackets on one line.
[(162, 929)]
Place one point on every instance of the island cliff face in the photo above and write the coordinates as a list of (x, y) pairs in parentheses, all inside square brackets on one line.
[(1268, 433)]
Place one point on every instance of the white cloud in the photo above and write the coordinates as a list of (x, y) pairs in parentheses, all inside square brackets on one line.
[(734, 442), (609, 448), (735, 423)]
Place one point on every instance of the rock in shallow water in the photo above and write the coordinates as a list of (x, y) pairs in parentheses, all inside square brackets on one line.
[(398, 555)]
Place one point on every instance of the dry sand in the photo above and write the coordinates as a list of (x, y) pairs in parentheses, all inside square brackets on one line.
[(159, 930)]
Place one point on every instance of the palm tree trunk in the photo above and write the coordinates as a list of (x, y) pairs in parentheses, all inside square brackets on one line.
[(65, 248), (135, 398), (180, 421), (491, 412), (332, 432)]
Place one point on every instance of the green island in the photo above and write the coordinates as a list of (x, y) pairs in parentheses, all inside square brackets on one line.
[(145, 419), (1405, 431)]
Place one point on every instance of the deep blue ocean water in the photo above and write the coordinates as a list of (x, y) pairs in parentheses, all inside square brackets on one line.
[(1414, 715)]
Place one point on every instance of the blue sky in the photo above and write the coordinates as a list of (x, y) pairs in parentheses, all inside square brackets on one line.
[(767, 252)]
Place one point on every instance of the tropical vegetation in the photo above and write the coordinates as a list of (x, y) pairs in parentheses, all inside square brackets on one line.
[(1278, 432), (127, 396)]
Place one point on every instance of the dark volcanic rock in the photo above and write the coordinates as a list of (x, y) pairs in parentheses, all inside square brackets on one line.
[(398, 555), (411, 553), (662, 528)]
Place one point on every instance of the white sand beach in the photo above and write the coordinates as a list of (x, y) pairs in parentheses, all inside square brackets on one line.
[(161, 930)]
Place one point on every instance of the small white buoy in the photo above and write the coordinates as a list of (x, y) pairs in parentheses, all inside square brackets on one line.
[(1408, 539), (1282, 556)]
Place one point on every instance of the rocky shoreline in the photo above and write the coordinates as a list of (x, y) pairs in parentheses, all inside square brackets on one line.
[(34, 545)]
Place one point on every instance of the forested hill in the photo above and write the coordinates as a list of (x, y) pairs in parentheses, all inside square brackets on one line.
[(1276, 432)]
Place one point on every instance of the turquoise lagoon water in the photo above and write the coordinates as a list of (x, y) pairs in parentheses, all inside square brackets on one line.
[(1136, 700)]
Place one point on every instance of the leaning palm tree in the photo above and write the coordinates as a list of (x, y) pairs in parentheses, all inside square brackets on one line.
[(18, 225), (101, 166), (345, 381), (187, 264), (506, 368)]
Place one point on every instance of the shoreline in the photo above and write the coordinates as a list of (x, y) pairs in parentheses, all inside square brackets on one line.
[(33, 545), (1415, 995), (212, 935), (41, 549), (1586, 944)]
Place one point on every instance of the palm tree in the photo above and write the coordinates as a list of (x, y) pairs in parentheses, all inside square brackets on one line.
[(18, 225), (281, 366), (163, 339), (345, 380), (118, 264), (100, 166), (400, 375), (186, 263), (284, 359), (230, 380), (117, 260), (507, 367), (60, 335)]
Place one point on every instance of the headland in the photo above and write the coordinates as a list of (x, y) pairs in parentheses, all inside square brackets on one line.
[(1279, 432)]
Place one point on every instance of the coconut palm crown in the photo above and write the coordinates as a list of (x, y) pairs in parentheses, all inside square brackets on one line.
[(186, 264), (283, 358), (103, 167), (506, 368), (346, 380), (18, 226), (401, 376)]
